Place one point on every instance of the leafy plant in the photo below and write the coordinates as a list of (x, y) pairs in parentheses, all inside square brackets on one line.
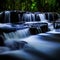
[(30, 5)]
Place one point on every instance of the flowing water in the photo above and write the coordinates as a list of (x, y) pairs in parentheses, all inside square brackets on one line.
[(24, 32), (42, 17), (31, 17), (7, 16), (17, 34)]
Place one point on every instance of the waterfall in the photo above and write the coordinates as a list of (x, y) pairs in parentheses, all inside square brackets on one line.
[(33, 17), (42, 17), (37, 17), (17, 34), (27, 17), (48, 16), (19, 17), (7, 17)]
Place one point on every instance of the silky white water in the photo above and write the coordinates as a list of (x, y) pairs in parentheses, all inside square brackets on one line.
[(17, 34)]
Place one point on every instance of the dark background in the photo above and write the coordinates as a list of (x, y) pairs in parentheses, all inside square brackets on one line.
[(31, 5)]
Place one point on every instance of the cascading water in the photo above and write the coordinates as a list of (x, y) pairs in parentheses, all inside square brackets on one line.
[(44, 20), (7, 16), (17, 34), (50, 17), (42, 17), (33, 17), (26, 17), (37, 18), (20, 18)]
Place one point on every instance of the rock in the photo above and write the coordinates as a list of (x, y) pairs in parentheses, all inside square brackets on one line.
[(14, 17), (33, 31), (2, 41)]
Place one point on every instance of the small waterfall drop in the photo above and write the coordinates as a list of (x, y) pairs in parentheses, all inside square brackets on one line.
[(42, 17), (48, 16), (19, 17), (17, 34), (27, 17), (33, 17), (37, 17), (44, 20), (7, 17)]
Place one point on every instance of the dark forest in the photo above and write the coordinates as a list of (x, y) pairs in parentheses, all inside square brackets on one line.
[(31, 5)]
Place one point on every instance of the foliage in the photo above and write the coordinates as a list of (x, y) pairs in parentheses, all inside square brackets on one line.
[(30, 5)]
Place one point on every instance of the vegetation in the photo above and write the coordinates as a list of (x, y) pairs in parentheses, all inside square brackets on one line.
[(30, 5)]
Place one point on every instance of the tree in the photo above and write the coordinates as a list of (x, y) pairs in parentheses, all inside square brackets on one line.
[(30, 5)]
